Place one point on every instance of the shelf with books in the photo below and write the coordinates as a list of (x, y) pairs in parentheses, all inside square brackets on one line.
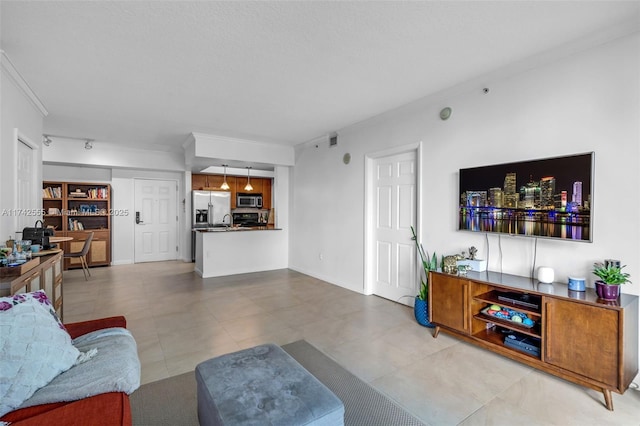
[(73, 209), (52, 191), (52, 205)]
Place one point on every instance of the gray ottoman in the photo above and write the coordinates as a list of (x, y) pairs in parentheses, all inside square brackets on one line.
[(261, 386)]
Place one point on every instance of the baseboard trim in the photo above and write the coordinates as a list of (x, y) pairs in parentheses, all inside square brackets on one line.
[(327, 279)]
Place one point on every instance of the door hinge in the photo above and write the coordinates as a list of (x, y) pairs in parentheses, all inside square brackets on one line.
[(176, 248), (176, 218)]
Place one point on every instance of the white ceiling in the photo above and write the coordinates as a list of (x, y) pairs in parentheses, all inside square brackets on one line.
[(149, 73)]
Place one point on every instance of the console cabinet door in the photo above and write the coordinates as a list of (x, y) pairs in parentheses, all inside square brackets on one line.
[(449, 302), (99, 252), (594, 330)]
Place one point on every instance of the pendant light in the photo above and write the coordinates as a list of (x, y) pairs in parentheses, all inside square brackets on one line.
[(224, 185), (248, 186)]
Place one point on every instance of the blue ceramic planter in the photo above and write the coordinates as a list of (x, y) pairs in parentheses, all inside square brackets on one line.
[(421, 312)]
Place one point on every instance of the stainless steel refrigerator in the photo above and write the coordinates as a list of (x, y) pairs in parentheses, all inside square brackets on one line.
[(209, 208)]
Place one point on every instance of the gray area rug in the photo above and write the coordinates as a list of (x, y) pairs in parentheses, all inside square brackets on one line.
[(172, 401)]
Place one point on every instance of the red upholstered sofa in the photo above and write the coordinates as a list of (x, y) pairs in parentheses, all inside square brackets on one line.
[(105, 409)]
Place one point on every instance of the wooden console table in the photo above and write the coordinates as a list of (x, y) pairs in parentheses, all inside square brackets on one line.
[(46, 276), (583, 339)]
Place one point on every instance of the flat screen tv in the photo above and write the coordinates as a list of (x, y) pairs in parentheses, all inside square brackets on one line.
[(546, 198)]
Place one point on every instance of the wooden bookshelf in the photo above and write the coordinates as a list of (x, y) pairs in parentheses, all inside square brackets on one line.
[(73, 209)]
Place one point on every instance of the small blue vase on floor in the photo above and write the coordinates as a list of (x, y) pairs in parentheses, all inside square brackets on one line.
[(421, 312)]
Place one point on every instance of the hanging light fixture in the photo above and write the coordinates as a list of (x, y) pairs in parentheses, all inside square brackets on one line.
[(224, 185), (248, 186)]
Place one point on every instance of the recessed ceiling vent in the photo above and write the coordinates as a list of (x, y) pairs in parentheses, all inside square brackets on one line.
[(333, 140)]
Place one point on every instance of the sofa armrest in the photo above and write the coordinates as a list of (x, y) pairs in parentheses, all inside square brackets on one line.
[(106, 409), (76, 329)]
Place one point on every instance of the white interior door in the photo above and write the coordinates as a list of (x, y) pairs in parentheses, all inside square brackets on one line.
[(156, 217), (25, 204), (394, 199)]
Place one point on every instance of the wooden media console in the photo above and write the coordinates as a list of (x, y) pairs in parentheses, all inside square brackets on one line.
[(581, 338)]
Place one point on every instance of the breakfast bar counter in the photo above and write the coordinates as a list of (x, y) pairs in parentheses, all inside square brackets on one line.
[(229, 251)]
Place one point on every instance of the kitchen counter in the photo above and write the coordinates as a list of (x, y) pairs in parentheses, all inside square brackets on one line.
[(238, 229), (225, 251)]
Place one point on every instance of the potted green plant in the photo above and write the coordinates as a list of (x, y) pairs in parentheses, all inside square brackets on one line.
[(611, 277), (420, 306)]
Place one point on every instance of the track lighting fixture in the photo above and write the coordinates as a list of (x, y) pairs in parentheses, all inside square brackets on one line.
[(46, 140)]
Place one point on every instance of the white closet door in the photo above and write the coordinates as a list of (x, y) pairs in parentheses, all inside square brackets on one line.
[(26, 208)]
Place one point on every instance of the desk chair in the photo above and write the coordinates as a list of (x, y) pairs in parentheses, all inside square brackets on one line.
[(82, 254)]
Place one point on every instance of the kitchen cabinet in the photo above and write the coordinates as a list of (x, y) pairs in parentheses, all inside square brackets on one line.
[(233, 184), (257, 184), (209, 182), (266, 193), (198, 182), (579, 337), (74, 209), (236, 185)]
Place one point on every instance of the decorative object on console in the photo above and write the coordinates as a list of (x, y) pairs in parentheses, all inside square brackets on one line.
[(462, 269), (450, 265), (611, 277), (545, 275), (472, 253), (420, 306), (471, 263), (577, 283)]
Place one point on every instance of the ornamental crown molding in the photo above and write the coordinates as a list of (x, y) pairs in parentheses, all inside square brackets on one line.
[(11, 71)]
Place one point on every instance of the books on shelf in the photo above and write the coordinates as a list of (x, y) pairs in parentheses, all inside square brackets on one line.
[(75, 225), (99, 193), (52, 192), (78, 194)]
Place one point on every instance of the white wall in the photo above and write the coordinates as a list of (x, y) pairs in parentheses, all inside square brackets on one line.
[(21, 110), (199, 145), (66, 173), (588, 101), (107, 155)]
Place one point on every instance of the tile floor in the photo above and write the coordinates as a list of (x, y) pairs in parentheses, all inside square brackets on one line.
[(180, 319)]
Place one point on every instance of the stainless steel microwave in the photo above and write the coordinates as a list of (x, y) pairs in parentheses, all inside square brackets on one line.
[(249, 200)]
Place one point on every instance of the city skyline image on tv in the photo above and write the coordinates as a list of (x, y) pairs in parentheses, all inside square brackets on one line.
[(549, 198)]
